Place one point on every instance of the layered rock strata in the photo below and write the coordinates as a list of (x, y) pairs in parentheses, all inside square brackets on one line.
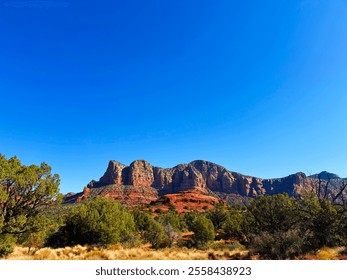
[(140, 183)]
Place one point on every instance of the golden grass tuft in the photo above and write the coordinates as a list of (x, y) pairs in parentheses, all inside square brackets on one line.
[(327, 253), (45, 254), (19, 253)]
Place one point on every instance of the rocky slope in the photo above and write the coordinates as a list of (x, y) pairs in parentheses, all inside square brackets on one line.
[(324, 175), (330, 186), (186, 201), (141, 183)]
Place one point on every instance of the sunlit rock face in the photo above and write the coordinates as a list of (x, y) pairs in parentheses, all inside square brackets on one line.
[(141, 183)]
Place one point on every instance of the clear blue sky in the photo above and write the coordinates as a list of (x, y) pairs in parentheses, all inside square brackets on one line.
[(259, 87)]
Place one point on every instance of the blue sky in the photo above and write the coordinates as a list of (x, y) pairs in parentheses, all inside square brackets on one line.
[(256, 86)]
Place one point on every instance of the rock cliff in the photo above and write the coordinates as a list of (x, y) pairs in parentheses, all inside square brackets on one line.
[(140, 183)]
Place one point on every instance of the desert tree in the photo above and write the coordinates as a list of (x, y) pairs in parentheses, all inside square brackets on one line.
[(325, 212), (272, 213), (24, 190), (271, 225), (99, 221), (218, 215), (156, 235), (203, 231)]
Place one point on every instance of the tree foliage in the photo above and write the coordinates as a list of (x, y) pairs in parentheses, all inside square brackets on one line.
[(171, 218), (280, 226), (323, 223), (142, 220), (24, 189), (7, 242), (278, 245), (218, 215), (272, 213), (99, 221), (232, 226), (156, 235), (203, 230)]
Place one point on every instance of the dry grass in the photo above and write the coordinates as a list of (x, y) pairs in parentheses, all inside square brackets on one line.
[(117, 252), (327, 253)]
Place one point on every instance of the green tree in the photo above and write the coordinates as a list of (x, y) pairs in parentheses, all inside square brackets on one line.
[(203, 231), (171, 217), (156, 235), (97, 221), (142, 220), (232, 227), (272, 213), (272, 226), (23, 191), (7, 242), (40, 229), (218, 215), (189, 218), (173, 224), (278, 245), (323, 223)]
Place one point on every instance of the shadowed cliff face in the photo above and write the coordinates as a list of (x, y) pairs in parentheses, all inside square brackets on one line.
[(145, 182), (113, 174)]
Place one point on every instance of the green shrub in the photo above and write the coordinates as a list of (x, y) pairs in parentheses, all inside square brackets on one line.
[(99, 221), (218, 215), (7, 243), (203, 231), (272, 213), (277, 245), (172, 218), (156, 235), (142, 220), (232, 226), (324, 222)]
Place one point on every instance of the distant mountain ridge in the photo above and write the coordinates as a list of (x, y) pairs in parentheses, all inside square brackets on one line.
[(141, 183), (325, 175)]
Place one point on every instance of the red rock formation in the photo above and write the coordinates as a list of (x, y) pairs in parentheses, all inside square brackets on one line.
[(186, 201), (140, 174), (84, 195), (129, 195), (141, 183), (113, 174)]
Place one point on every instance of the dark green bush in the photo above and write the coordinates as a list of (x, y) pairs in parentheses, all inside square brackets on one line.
[(99, 221), (7, 243), (218, 215), (142, 220), (232, 227), (172, 218), (277, 245), (272, 214), (324, 222), (156, 235), (203, 231)]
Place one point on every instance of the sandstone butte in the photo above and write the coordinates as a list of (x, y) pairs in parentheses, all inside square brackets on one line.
[(195, 186)]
